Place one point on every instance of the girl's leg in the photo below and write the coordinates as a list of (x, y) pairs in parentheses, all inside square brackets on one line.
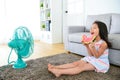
[(69, 65), (71, 71)]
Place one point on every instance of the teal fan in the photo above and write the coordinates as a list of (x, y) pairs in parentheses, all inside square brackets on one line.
[(23, 44)]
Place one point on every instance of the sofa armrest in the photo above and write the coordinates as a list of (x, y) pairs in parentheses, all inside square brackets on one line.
[(76, 29), (68, 30)]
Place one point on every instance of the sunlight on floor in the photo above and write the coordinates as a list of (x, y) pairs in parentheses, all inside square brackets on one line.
[(41, 49)]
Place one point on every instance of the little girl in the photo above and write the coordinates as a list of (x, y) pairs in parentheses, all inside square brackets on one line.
[(98, 55)]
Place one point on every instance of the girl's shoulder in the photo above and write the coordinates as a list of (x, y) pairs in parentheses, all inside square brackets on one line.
[(103, 43)]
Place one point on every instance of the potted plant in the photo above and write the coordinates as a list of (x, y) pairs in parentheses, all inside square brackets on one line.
[(48, 14), (43, 26), (41, 4)]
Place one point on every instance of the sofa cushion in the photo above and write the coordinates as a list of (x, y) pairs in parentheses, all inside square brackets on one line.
[(77, 37), (115, 24), (115, 40), (103, 18)]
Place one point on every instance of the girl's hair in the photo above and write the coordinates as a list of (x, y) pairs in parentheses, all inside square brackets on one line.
[(103, 32)]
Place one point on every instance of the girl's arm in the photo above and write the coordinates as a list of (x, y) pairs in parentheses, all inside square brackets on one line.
[(100, 51)]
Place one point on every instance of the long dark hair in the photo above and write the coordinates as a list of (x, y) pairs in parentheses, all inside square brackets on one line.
[(103, 32)]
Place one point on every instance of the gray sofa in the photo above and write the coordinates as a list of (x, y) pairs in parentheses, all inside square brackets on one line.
[(72, 36)]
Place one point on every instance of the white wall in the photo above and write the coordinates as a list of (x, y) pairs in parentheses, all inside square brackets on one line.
[(75, 19), (2, 19), (94, 7), (20, 13), (101, 6)]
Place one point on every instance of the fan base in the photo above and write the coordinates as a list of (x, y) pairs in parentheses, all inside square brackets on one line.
[(19, 65)]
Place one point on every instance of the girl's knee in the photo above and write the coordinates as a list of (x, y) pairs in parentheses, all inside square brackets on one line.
[(79, 63), (75, 63)]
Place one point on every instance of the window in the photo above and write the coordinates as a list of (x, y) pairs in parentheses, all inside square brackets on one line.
[(75, 6)]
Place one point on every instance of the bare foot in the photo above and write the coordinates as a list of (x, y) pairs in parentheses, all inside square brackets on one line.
[(55, 72), (50, 66)]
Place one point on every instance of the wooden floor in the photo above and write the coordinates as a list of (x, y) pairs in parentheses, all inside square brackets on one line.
[(41, 49)]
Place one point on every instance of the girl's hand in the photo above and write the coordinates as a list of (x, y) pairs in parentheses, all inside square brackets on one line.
[(92, 45), (86, 45), (88, 49)]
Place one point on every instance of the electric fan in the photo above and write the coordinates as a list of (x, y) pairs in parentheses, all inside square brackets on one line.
[(22, 43)]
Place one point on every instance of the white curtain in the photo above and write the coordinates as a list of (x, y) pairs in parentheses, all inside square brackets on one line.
[(15, 13)]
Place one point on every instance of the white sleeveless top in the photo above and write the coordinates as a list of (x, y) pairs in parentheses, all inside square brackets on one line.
[(102, 63)]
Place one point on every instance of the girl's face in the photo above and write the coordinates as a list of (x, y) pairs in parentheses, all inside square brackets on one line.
[(94, 30)]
